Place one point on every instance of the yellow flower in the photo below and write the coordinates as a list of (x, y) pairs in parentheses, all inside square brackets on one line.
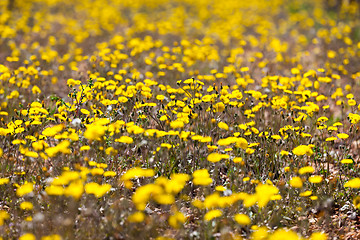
[(250, 151), (24, 189), (342, 135), (322, 119), (307, 169), (54, 190), (296, 182), (284, 234), (75, 189), (356, 202), (71, 82), (96, 171), (3, 216), (109, 174), (315, 179), (220, 188), (223, 125), (353, 183), (26, 205), (259, 233), (212, 214), (4, 181), (96, 189), (125, 139), (305, 194), (216, 157), (94, 132), (241, 143), (242, 219), (219, 107), (314, 198), (329, 139), (136, 217), (302, 150), (51, 237), (62, 147), (265, 193), (143, 194), (351, 102), (347, 161), (31, 154), (136, 173), (227, 141), (165, 199), (284, 153), (354, 118), (201, 173), (177, 124), (276, 137), (52, 131), (84, 111), (27, 236), (318, 236), (85, 148), (202, 177), (160, 97), (177, 219), (237, 160), (36, 90)]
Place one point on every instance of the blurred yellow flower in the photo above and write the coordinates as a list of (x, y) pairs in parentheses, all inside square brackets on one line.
[(24, 189), (216, 157), (94, 132), (177, 124), (3, 216), (212, 214), (242, 219), (202, 177), (26, 206), (315, 179), (136, 217), (223, 125), (54, 190), (176, 220), (136, 173), (284, 234), (347, 161), (75, 189), (96, 189), (52, 131), (353, 183), (27, 236), (125, 139), (302, 150), (4, 181), (307, 169), (296, 182), (356, 202), (318, 236), (342, 135)]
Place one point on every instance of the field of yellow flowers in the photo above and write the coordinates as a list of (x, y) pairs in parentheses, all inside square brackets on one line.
[(179, 119)]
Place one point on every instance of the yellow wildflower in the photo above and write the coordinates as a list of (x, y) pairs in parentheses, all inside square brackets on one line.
[(216, 157), (212, 214), (25, 189), (353, 183), (296, 182), (242, 219)]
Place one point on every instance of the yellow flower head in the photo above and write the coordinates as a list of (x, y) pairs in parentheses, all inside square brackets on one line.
[(296, 182)]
